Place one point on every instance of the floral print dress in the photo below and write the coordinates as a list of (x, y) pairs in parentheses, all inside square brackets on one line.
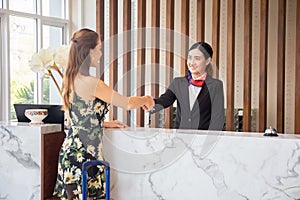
[(83, 142)]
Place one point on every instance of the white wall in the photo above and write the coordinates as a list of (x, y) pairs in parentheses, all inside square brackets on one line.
[(89, 14), (82, 14)]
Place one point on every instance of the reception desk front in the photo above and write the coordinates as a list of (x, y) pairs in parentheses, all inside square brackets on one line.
[(152, 164), (188, 164), (28, 164)]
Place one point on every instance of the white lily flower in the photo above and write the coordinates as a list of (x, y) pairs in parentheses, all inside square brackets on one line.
[(50, 59), (61, 56), (47, 57)]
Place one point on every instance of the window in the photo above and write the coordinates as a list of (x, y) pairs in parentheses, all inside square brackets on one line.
[(26, 27), (52, 37), (22, 44), (53, 9), (27, 6), (4, 76)]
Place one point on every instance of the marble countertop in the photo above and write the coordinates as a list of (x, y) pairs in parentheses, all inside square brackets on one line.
[(141, 132), (45, 128)]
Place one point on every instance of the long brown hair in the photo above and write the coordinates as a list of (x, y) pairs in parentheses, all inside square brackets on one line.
[(78, 61)]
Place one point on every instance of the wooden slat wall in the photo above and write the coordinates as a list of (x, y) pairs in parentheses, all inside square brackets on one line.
[(155, 40), (127, 55), (113, 68), (281, 65), (247, 65), (200, 20), (297, 87), (185, 13), (264, 11), (215, 33), (184, 24), (230, 64), (170, 7), (100, 29), (141, 58)]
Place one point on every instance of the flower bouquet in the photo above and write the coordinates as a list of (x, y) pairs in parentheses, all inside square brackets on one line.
[(50, 59)]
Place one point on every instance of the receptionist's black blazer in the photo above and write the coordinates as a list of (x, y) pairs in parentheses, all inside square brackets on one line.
[(208, 110)]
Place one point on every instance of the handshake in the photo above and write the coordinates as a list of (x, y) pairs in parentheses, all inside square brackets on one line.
[(147, 103)]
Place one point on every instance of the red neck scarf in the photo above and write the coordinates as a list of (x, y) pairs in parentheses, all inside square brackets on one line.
[(198, 82)]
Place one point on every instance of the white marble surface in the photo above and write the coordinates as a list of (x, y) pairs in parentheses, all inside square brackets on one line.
[(181, 164), (20, 163), (43, 128)]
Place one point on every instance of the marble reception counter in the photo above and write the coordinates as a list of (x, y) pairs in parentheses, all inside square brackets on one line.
[(28, 163), (188, 164), (166, 164)]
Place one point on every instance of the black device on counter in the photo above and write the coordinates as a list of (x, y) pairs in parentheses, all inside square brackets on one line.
[(55, 114)]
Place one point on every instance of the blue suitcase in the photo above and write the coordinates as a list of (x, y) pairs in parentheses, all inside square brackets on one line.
[(85, 167)]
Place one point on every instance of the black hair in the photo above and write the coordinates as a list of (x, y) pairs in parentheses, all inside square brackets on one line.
[(204, 47)]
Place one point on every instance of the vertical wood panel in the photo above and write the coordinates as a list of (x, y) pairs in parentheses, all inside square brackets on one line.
[(141, 57), (127, 55), (263, 64), (216, 34), (113, 66), (200, 20), (297, 86), (290, 67), (155, 23), (230, 64), (185, 13), (184, 29), (100, 31), (50, 147), (281, 65), (247, 65), (170, 7)]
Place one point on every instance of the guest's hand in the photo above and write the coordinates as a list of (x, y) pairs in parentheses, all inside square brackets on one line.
[(149, 103), (67, 119), (114, 124)]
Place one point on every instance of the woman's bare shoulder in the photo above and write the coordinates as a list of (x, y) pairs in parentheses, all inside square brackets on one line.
[(92, 79), (85, 86), (87, 80)]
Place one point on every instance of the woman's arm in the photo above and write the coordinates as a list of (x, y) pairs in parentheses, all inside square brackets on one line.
[(107, 94), (165, 100), (114, 124)]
